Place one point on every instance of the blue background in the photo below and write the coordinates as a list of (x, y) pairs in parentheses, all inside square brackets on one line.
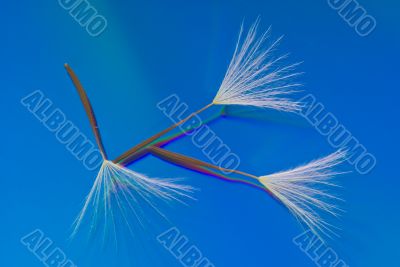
[(152, 49)]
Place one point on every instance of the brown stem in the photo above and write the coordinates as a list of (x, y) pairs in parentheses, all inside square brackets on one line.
[(179, 158), (156, 136), (187, 163), (88, 108), (135, 156), (172, 157)]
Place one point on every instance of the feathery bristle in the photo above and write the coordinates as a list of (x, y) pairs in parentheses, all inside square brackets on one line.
[(127, 188), (303, 191), (255, 77)]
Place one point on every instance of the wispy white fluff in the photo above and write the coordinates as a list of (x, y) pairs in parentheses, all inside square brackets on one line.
[(255, 77), (303, 190), (128, 190)]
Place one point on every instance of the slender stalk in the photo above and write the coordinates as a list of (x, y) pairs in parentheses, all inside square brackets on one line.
[(162, 142), (168, 139), (179, 158), (158, 135), (199, 168), (88, 108), (182, 160)]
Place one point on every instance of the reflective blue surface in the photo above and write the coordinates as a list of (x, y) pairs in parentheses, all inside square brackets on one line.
[(152, 49)]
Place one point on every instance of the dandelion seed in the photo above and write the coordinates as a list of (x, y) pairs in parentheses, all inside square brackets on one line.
[(122, 185), (303, 191), (119, 184), (256, 78)]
